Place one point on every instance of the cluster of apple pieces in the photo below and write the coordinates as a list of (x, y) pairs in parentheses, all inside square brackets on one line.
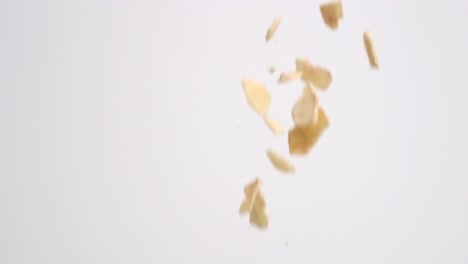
[(309, 118)]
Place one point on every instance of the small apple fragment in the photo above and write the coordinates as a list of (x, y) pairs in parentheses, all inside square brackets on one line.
[(332, 12), (305, 110), (258, 216), (250, 191), (318, 76), (254, 204), (302, 139), (370, 50), (289, 76), (274, 126), (280, 162), (272, 29), (257, 95)]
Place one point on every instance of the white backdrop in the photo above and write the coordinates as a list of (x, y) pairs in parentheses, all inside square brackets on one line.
[(126, 138)]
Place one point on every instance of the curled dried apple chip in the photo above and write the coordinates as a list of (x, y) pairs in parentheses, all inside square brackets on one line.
[(274, 126), (258, 216), (318, 76), (302, 139), (289, 76), (305, 110), (250, 191), (254, 204), (280, 162), (332, 12), (370, 50), (257, 95), (272, 29)]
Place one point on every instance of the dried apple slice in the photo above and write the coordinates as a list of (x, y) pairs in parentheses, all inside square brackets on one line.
[(258, 216), (251, 191), (274, 126), (302, 139), (280, 162), (254, 204), (272, 29), (318, 76), (331, 13), (370, 50), (289, 76), (305, 110), (257, 95)]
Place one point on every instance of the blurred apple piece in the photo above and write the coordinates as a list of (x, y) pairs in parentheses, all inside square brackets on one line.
[(274, 125), (332, 12), (254, 204), (272, 29), (257, 95), (370, 50), (279, 162), (318, 76), (305, 110), (258, 216), (289, 76), (302, 139)]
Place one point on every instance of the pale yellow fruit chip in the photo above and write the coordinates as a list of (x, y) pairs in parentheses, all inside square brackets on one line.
[(305, 110), (280, 162), (331, 13), (257, 95), (274, 125), (289, 76), (318, 76), (258, 216), (302, 139), (370, 50), (254, 204), (272, 29), (251, 191)]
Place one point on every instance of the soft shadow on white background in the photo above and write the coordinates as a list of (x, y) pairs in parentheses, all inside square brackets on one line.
[(126, 137)]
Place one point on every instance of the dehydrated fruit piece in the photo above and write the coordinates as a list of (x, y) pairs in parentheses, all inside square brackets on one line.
[(272, 29), (274, 126), (370, 50), (257, 95), (289, 76), (302, 139), (318, 76), (305, 110), (331, 13), (258, 216), (254, 203), (251, 191), (280, 162)]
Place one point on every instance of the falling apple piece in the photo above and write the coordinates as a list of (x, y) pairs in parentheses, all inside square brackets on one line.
[(257, 95), (318, 76), (289, 76), (332, 12), (280, 162), (258, 216), (370, 50), (274, 126), (272, 29), (254, 204), (305, 110), (251, 191), (302, 139)]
